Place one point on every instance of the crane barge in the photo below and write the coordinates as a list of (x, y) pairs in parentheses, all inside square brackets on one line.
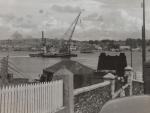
[(65, 51)]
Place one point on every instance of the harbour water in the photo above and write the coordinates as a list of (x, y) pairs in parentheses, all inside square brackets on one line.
[(32, 67)]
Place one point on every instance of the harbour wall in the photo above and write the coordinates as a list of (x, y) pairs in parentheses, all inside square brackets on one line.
[(91, 99)]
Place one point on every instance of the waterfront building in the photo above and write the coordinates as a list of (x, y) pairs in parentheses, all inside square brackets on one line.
[(124, 48)]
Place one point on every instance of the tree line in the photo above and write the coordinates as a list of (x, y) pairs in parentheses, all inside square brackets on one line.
[(134, 43)]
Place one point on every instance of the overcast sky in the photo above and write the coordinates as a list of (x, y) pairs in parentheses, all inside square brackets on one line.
[(101, 19)]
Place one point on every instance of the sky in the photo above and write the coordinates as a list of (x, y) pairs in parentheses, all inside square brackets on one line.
[(100, 19)]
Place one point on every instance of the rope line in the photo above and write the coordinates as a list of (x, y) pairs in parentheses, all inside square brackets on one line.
[(18, 68), (17, 71)]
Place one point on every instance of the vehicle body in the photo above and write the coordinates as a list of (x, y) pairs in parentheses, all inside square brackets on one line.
[(133, 104)]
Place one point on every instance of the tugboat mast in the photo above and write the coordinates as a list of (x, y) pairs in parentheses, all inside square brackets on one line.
[(44, 43)]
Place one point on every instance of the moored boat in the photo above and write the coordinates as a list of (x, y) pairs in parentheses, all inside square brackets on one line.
[(35, 54)]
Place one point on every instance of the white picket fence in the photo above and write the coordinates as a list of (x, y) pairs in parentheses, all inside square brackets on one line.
[(33, 98)]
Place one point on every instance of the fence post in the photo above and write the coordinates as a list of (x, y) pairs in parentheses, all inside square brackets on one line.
[(110, 77), (67, 77), (129, 75)]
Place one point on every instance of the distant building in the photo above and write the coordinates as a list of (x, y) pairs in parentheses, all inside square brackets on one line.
[(136, 49), (73, 47), (98, 47), (124, 47)]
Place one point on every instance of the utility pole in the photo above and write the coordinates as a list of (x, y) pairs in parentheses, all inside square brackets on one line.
[(143, 38), (4, 70), (131, 56)]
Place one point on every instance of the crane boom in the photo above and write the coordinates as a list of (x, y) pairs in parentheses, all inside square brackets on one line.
[(74, 26), (76, 21)]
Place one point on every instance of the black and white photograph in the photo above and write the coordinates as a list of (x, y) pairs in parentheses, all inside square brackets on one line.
[(74, 56)]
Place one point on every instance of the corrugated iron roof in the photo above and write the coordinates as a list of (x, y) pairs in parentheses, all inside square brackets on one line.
[(73, 66)]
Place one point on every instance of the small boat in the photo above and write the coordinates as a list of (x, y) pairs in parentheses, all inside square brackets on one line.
[(35, 55), (86, 51)]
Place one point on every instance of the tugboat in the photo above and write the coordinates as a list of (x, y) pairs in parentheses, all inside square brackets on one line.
[(86, 50), (35, 55), (65, 52)]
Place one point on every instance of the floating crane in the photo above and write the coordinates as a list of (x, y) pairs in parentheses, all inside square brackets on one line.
[(65, 50), (70, 31)]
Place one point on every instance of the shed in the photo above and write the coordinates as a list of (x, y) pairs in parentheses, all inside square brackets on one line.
[(82, 74)]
